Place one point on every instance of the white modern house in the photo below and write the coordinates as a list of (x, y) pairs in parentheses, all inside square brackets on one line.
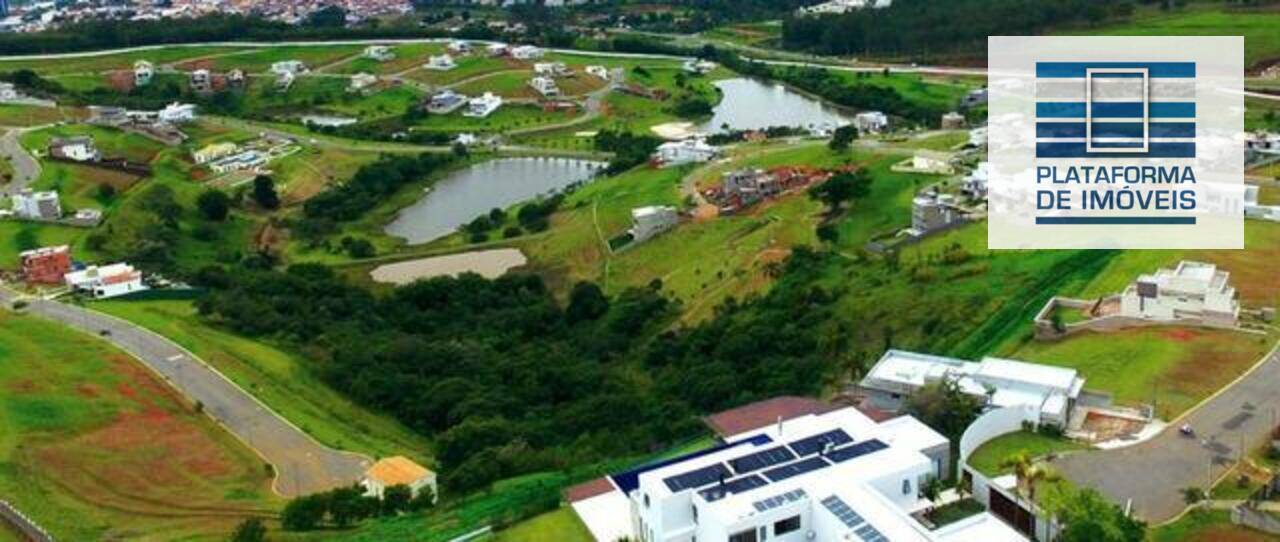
[(551, 69), (497, 49), (381, 53), (598, 71), (545, 86), (176, 113), (700, 67), (247, 160), (830, 476), (459, 47), (37, 205), (106, 281), (843, 6), (526, 52), (445, 102), (76, 148), (1050, 392), (285, 80), (975, 183), (8, 92), (648, 222), (143, 71), (932, 212), (978, 136), (294, 67), (1191, 291), (440, 63), (871, 122), (1253, 209), (685, 151), (398, 470), (483, 106)]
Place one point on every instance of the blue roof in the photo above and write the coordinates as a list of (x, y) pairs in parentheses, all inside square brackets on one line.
[(629, 480)]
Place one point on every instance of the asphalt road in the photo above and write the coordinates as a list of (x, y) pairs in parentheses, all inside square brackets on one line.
[(1153, 473), (25, 168), (302, 465)]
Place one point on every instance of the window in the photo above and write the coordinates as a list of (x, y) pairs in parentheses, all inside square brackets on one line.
[(646, 500), (906, 487), (748, 535), (785, 526), (695, 513)]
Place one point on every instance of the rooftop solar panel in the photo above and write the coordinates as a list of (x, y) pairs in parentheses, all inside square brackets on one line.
[(627, 481), (795, 469), (760, 460), (698, 478), (841, 510), (869, 534), (815, 444), (779, 500), (840, 455), (732, 487)]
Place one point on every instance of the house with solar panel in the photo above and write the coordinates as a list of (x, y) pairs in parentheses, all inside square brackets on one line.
[(822, 473)]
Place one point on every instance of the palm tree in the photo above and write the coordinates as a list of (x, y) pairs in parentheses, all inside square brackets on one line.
[(1029, 474)]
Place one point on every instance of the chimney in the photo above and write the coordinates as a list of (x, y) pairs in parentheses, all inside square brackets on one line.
[(779, 426)]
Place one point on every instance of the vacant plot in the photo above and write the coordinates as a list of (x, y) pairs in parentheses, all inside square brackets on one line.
[(988, 457), (486, 263), (306, 173), (408, 56), (278, 378), (16, 237), (99, 448), (119, 61), (561, 525), (1173, 368), (1258, 26), (1207, 526), (260, 60), (29, 115), (508, 117), (469, 67)]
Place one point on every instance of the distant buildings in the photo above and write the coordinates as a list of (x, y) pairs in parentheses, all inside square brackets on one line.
[(483, 106), (106, 281), (46, 265), (295, 67), (177, 113), (445, 102), (1191, 291), (213, 151), (361, 82), (674, 153), (75, 148), (975, 183), (143, 71), (201, 81), (952, 121), (932, 212), (497, 49), (551, 69), (1050, 392), (598, 71), (398, 470), (380, 53), (871, 122), (526, 52), (545, 86), (37, 205), (647, 222), (459, 47), (440, 63), (842, 6)]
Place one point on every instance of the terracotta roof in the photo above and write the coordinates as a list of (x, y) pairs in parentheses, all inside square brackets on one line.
[(396, 470), (763, 413), (586, 490)]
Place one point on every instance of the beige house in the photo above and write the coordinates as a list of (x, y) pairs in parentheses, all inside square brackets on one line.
[(398, 470)]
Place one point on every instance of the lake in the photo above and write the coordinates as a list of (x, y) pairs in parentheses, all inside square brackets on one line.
[(751, 104), (466, 194)]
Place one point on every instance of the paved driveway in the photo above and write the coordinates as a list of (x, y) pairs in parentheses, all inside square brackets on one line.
[(302, 465), (1153, 473), (25, 167)]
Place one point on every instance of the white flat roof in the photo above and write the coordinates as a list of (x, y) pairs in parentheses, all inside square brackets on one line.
[(607, 516), (1032, 373)]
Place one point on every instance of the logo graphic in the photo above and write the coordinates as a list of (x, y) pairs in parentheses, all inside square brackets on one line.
[(1117, 109), (1115, 142)]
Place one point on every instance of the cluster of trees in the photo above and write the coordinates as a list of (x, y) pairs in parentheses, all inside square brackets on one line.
[(629, 149), (150, 236), (346, 506), (371, 184), (923, 28)]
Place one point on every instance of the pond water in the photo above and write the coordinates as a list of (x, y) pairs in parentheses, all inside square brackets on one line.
[(466, 194), (751, 104)]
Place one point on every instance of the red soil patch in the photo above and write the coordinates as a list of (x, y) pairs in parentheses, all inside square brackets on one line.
[(24, 386), (1181, 334), (120, 81), (88, 390), (1228, 533)]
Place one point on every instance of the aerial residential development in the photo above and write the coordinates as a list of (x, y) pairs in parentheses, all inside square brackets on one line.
[(660, 271)]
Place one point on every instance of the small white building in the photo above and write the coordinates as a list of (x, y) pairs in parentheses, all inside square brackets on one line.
[(459, 47), (294, 67), (699, 67), (1192, 291), (201, 81), (843, 6), (247, 160), (285, 80), (1049, 391), (1253, 209), (483, 106), (648, 222), (498, 49), (526, 52), (398, 470), (685, 151), (176, 113), (975, 183), (871, 122), (143, 71), (545, 86), (37, 205), (8, 92), (440, 63), (978, 137), (931, 212), (598, 71), (361, 82), (445, 102), (551, 69), (107, 281), (952, 121), (76, 148), (380, 53)]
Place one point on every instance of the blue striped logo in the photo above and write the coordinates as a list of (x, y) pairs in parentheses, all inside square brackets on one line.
[(1115, 110)]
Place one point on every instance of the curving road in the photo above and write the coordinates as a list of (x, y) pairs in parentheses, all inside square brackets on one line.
[(302, 465), (25, 168), (1153, 473)]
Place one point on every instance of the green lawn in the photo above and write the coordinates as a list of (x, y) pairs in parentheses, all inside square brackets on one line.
[(16, 237), (279, 378), (932, 92), (1207, 526), (508, 117), (117, 61), (1258, 26), (562, 525), (1172, 367), (408, 56), (468, 67), (94, 447), (987, 458), (29, 115), (260, 60)]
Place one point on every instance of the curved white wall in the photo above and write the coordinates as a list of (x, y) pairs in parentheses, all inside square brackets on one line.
[(992, 424)]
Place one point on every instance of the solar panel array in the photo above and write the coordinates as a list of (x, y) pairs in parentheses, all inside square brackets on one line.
[(778, 500), (853, 520), (840, 455), (732, 487), (698, 478), (760, 460), (816, 443), (779, 474)]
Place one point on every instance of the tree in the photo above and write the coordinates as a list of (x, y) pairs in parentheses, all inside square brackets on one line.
[(214, 204), (843, 137), (1029, 473), (426, 498), (943, 406), (250, 530), (1192, 495), (842, 188), (264, 192), (396, 499), (586, 302), (303, 513), (329, 16), (1089, 517)]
